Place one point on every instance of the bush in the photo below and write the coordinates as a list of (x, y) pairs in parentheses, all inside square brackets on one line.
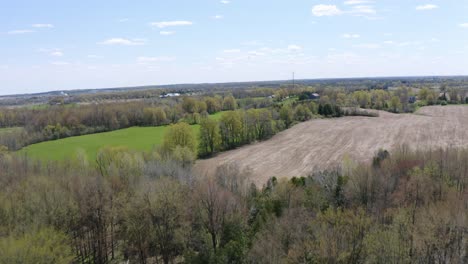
[(45, 246), (359, 112)]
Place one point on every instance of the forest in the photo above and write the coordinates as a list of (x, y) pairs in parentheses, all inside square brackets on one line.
[(126, 206), (407, 206)]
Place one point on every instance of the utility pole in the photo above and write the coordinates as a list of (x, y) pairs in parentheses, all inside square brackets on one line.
[(294, 84)]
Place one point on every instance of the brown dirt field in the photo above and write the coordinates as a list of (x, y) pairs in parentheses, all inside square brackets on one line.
[(323, 143)]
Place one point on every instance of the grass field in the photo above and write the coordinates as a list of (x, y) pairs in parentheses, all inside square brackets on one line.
[(289, 101), (10, 129), (216, 116), (134, 138)]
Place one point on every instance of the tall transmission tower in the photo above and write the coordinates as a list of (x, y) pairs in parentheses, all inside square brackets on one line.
[(294, 80)]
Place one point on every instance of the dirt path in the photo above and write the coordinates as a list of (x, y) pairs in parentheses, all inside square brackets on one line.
[(323, 143)]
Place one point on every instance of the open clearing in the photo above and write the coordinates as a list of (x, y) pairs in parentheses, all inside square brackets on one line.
[(10, 129), (134, 138), (322, 143)]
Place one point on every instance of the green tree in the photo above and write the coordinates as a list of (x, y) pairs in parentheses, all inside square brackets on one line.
[(165, 207), (180, 134), (264, 128), (286, 114), (212, 105), (302, 113), (210, 137), (423, 93), (363, 98), (201, 107), (154, 116), (44, 247), (231, 127), (154, 222), (229, 103), (189, 104), (395, 104)]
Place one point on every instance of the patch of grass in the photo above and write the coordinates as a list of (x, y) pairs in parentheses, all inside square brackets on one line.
[(37, 106), (134, 138), (289, 101), (10, 129), (217, 116)]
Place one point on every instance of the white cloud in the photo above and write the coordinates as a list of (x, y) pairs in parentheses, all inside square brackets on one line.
[(293, 47), (164, 24), (402, 44), (463, 25), (20, 31), (350, 36), (56, 53), (232, 51), (426, 7), (92, 56), (225, 2), (166, 33), (256, 53), (326, 10), (357, 9), (144, 59), (251, 43), (42, 25), (123, 41), (60, 63), (218, 17), (124, 20), (363, 10), (368, 46), (357, 2), (52, 52), (343, 57)]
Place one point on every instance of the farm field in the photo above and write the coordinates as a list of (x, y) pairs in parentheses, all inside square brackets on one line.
[(323, 143), (134, 138)]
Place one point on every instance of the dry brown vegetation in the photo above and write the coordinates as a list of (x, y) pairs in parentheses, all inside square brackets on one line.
[(324, 143)]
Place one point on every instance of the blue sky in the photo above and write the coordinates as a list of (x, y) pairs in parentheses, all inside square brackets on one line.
[(59, 45)]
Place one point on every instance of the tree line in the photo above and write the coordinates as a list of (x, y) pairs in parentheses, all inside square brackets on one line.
[(236, 128), (405, 207), (59, 121)]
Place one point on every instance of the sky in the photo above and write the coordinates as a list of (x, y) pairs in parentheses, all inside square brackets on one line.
[(61, 45)]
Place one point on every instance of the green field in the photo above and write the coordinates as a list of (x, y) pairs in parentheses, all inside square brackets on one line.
[(10, 129), (134, 138), (216, 116), (289, 101)]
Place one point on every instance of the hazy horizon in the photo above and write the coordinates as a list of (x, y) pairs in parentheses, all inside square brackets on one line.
[(228, 82)]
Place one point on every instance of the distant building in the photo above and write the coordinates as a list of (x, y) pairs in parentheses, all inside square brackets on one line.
[(308, 96), (169, 95), (315, 96)]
